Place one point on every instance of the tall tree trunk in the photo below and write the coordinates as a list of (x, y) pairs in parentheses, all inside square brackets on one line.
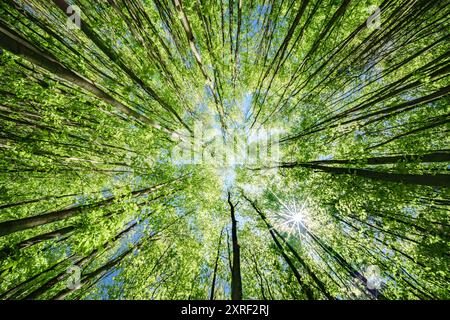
[(311, 273), (417, 179), (305, 288), (11, 41), (211, 297), (427, 157), (11, 226), (236, 281), (35, 240), (92, 35)]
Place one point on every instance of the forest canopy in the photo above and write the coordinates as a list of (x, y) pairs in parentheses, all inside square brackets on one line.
[(224, 149)]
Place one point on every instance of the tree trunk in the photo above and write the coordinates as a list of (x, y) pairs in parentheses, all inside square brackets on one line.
[(236, 282), (211, 297), (14, 43), (11, 226), (305, 288), (428, 157), (416, 179)]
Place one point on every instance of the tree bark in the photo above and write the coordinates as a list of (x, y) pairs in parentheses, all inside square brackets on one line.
[(427, 157), (305, 288), (442, 180), (211, 297), (236, 281), (11, 226), (12, 42)]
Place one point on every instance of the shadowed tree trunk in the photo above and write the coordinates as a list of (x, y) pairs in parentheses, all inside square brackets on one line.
[(63, 5), (11, 226), (236, 282), (211, 297), (17, 45), (417, 179), (428, 157), (37, 239), (305, 288)]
